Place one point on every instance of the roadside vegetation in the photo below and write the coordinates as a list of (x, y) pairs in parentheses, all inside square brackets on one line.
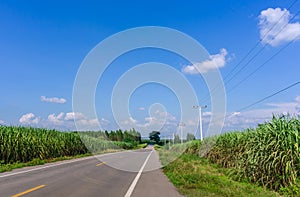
[(25, 146), (38, 161), (195, 176), (267, 156)]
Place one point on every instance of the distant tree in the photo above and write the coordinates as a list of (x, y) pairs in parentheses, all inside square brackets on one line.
[(176, 139), (154, 135), (127, 137), (190, 137), (119, 135), (112, 136), (135, 135), (106, 134)]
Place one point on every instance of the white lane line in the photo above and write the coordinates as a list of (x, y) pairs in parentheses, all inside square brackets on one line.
[(58, 164), (136, 179), (40, 168)]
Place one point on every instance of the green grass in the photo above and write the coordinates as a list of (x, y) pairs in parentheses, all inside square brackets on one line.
[(37, 161), (167, 153), (195, 176), (268, 155), (265, 157), (144, 145)]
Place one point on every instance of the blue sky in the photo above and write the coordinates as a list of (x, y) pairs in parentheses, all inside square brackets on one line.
[(44, 43)]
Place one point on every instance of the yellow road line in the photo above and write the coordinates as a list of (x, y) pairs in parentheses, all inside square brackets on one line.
[(28, 191), (100, 164)]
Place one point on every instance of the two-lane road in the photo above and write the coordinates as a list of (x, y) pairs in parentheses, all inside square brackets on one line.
[(128, 173)]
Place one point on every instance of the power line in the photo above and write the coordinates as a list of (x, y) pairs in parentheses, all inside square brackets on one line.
[(258, 101), (279, 19), (258, 42), (259, 67), (267, 97), (264, 36), (261, 50), (252, 49)]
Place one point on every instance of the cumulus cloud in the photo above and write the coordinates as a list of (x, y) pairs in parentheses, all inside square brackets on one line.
[(1, 122), (53, 100), (275, 27), (29, 119), (130, 121), (64, 121), (74, 115), (88, 124), (56, 120), (215, 61), (82, 121)]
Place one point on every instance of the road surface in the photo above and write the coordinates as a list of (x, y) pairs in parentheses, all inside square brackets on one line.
[(128, 173)]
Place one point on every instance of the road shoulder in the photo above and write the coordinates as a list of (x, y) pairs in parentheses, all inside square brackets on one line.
[(155, 183)]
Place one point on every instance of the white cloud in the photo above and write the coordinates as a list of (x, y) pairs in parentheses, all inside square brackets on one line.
[(216, 61), (88, 124), (64, 121), (207, 113), (2, 122), (53, 100), (83, 122), (162, 120), (104, 121), (74, 115), (233, 114), (142, 108), (251, 118), (29, 119), (149, 119), (130, 121), (159, 121), (275, 27), (56, 120)]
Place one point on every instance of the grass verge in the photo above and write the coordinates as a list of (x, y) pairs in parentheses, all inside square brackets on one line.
[(35, 162), (194, 176), (144, 145)]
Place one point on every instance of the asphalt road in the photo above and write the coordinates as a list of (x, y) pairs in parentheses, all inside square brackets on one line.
[(128, 173)]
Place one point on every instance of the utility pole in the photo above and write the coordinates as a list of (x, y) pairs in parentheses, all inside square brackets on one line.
[(173, 138), (181, 125), (200, 118)]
